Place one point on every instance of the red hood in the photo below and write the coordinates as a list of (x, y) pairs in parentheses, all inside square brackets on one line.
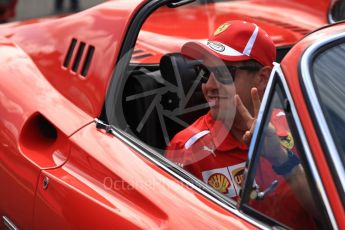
[(168, 29)]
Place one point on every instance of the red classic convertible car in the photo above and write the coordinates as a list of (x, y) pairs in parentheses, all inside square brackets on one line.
[(89, 102)]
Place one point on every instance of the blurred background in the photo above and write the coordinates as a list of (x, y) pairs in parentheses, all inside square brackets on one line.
[(14, 10)]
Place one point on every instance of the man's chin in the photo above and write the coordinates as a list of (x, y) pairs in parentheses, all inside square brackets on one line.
[(225, 117), (214, 113)]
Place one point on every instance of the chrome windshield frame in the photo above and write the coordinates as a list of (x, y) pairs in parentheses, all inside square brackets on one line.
[(306, 78), (278, 75)]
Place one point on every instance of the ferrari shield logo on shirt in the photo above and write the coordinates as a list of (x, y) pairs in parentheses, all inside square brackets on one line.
[(287, 141), (221, 28), (226, 180)]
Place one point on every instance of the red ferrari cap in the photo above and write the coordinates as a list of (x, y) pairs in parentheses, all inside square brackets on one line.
[(235, 41)]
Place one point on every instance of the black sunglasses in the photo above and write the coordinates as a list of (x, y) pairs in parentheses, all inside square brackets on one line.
[(224, 74)]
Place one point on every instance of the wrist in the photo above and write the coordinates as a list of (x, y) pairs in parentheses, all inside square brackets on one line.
[(288, 165)]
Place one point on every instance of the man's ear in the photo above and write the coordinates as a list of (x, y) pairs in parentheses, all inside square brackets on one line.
[(263, 76)]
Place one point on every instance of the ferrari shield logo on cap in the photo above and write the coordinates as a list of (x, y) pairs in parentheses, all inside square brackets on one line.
[(221, 28)]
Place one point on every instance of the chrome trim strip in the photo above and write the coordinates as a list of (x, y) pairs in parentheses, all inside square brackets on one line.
[(336, 161), (330, 18), (156, 158), (8, 223), (329, 15), (307, 150), (264, 102)]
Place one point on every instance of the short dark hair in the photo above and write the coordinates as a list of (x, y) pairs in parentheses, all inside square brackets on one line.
[(252, 63)]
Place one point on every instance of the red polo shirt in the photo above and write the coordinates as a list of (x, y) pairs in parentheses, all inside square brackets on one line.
[(211, 153)]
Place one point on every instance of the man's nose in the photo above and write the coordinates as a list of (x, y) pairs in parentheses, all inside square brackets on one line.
[(212, 82)]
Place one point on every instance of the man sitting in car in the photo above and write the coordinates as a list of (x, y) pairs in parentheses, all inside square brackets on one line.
[(236, 64)]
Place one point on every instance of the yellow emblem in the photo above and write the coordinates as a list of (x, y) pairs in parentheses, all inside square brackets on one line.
[(221, 28), (219, 182), (287, 141), (238, 175)]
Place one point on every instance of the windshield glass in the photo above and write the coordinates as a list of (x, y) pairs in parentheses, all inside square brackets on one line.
[(328, 76)]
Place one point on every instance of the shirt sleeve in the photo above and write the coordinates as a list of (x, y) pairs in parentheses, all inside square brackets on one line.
[(176, 152)]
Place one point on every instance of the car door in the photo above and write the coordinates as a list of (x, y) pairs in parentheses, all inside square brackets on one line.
[(269, 195), (32, 136)]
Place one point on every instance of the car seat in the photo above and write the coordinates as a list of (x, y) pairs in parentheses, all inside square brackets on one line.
[(159, 103)]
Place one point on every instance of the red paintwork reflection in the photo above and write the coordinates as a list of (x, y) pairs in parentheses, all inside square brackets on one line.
[(106, 182), (25, 92), (198, 21), (102, 27)]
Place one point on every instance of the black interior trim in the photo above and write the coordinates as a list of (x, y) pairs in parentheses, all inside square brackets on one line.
[(281, 52), (125, 54)]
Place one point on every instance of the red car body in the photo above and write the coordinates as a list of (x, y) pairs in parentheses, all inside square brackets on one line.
[(59, 171)]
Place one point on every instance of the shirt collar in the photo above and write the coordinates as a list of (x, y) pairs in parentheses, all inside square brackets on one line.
[(221, 136)]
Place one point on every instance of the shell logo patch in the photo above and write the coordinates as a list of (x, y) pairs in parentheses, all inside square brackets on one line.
[(217, 46), (287, 141), (221, 28), (220, 182), (237, 174)]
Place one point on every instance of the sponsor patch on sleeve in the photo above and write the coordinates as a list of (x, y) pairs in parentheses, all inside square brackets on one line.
[(220, 180), (226, 180), (236, 172)]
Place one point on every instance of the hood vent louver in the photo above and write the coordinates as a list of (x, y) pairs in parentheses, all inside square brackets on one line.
[(76, 58)]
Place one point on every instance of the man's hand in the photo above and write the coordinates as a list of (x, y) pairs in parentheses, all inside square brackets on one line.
[(248, 118), (276, 154), (272, 148)]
